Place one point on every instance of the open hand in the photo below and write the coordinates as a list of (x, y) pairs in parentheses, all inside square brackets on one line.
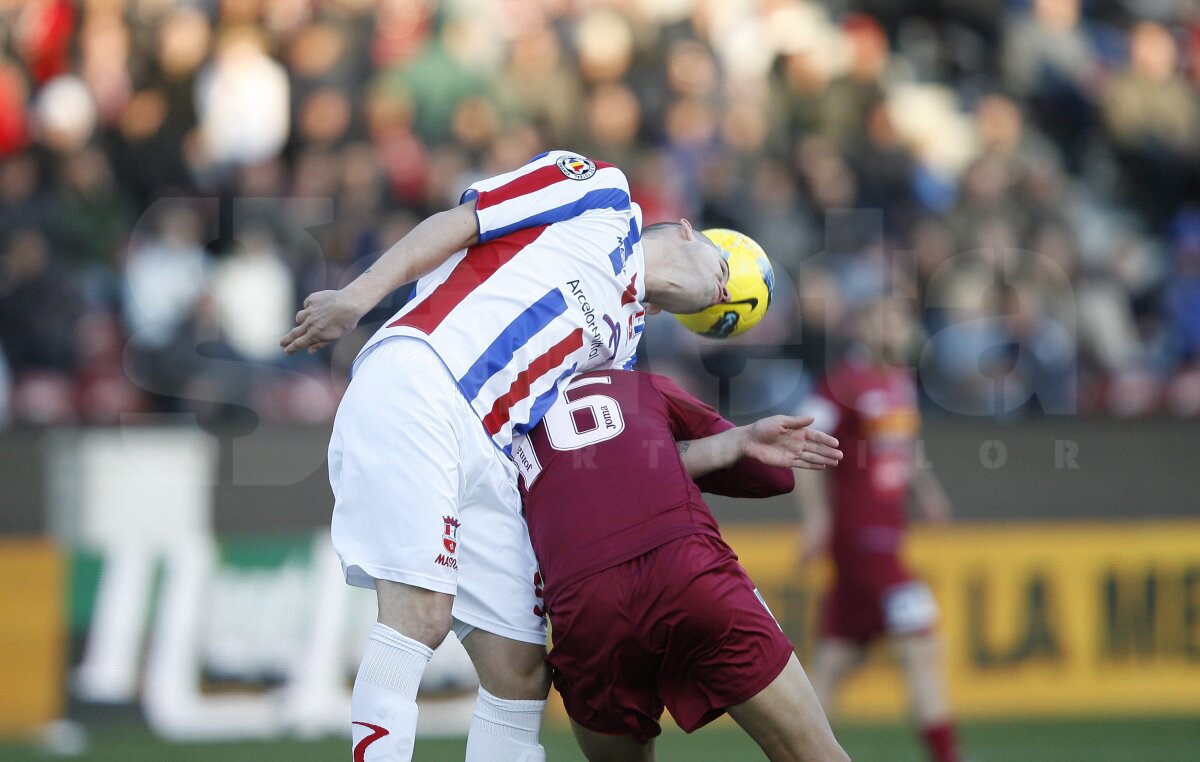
[(786, 441), (327, 316)]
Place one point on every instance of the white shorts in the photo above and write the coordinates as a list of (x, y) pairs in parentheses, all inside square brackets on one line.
[(909, 608), (422, 496)]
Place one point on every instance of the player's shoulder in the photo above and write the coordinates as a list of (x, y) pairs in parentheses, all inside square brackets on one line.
[(613, 377), (664, 385)]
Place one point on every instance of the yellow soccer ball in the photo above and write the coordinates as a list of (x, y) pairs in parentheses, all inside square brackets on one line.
[(751, 281)]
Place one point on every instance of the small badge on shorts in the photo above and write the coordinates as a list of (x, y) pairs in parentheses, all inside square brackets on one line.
[(576, 167), (450, 538)]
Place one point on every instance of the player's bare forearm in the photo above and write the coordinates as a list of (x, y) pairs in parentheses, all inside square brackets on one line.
[(931, 497), (703, 456), (815, 514), (780, 441), (329, 315), (426, 246)]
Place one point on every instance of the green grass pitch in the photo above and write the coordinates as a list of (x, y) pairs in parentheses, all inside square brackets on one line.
[(1099, 740)]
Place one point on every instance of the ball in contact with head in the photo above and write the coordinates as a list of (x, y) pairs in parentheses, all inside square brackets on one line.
[(751, 281)]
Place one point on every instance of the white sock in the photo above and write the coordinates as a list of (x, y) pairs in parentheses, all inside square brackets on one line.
[(383, 706), (505, 731)]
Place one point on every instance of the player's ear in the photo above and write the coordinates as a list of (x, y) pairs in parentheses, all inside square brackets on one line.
[(686, 227)]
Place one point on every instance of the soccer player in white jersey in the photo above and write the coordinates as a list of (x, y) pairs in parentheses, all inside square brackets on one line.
[(538, 274)]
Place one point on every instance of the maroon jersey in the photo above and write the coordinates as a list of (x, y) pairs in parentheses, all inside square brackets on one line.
[(602, 481), (872, 412)]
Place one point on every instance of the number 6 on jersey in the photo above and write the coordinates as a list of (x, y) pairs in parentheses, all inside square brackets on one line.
[(586, 419)]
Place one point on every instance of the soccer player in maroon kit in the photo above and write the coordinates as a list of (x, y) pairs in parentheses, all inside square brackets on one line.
[(857, 513), (648, 606)]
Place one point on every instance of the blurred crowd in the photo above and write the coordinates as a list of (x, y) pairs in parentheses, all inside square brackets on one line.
[(176, 175)]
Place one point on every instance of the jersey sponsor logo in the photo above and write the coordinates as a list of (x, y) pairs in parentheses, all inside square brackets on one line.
[(589, 318), (449, 562), (576, 167), (450, 536), (614, 334), (377, 732), (525, 456)]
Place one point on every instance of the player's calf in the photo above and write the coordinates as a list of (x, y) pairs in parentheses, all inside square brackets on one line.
[(383, 706), (601, 747), (514, 682)]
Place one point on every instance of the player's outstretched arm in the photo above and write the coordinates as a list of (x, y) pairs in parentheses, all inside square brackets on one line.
[(816, 519), (781, 441), (329, 315), (931, 497)]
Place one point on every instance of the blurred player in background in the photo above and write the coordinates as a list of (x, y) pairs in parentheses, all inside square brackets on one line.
[(538, 274), (857, 513), (648, 604)]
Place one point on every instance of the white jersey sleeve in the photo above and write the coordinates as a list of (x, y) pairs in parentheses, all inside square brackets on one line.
[(553, 187)]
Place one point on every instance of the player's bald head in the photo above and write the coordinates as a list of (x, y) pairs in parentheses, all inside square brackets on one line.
[(685, 270), (674, 231)]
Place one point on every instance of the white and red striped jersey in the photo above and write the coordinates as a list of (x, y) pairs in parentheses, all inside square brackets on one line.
[(553, 287)]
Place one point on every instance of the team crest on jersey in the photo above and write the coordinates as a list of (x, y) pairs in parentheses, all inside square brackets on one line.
[(576, 167), (450, 538)]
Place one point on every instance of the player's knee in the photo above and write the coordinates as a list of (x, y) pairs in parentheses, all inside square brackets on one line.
[(423, 615), (430, 629), (520, 679)]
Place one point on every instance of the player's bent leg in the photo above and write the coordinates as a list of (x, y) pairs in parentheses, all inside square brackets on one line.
[(832, 663), (417, 613), (383, 706), (508, 668), (601, 747), (514, 682), (921, 657), (787, 721)]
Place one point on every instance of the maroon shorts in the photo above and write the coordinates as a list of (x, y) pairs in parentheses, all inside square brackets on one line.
[(874, 594), (681, 625)]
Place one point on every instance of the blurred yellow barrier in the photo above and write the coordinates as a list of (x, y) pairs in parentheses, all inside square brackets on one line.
[(1039, 619), (32, 641)]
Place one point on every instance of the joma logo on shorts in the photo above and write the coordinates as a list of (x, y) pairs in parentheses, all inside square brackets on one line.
[(446, 560)]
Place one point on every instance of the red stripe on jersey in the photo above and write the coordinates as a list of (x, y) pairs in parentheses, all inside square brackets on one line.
[(480, 263), (542, 177), (630, 294), (502, 407), (538, 179)]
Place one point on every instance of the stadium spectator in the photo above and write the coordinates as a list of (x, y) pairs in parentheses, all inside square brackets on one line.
[(165, 274), (5, 388), (1153, 116), (242, 101), (1050, 62), (30, 277), (252, 293), (1183, 292)]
